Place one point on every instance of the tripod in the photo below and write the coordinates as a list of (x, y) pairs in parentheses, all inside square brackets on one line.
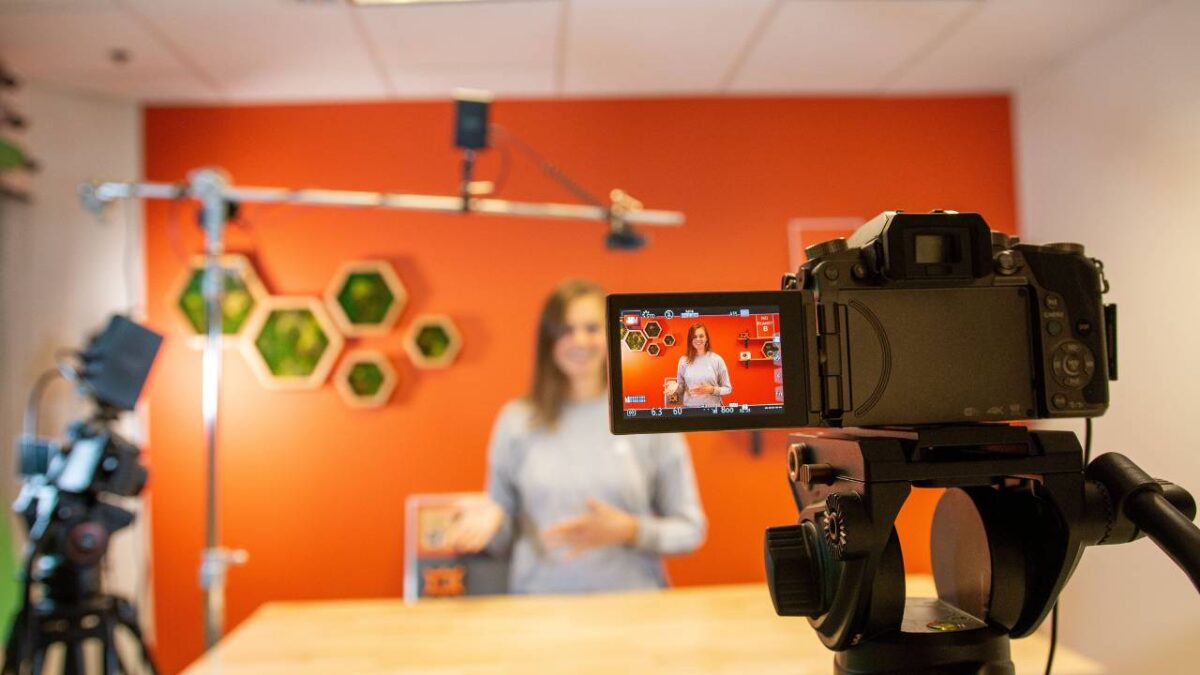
[(36, 629), (1007, 534)]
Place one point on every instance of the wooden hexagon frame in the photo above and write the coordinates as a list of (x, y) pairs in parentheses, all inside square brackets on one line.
[(447, 325), (258, 364), (390, 278), (342, 376), (249, 275)]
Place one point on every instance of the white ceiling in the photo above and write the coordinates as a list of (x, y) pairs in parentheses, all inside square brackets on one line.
[(234, 51)]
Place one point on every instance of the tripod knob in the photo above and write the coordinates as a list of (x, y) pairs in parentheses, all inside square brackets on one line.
[(792, 570)]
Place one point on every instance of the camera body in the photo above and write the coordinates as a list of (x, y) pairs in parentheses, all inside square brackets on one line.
[(935, 319), (915, 319)]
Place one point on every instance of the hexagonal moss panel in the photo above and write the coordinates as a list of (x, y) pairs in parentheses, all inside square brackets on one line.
[(669, 340), (635, 340), (770, 349), (366, 297), (242, 292), (652, 329), (432, 341), (291, 343), (365, 379), (654, 349)]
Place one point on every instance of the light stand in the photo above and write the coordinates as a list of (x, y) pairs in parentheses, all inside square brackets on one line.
[(212, 188)]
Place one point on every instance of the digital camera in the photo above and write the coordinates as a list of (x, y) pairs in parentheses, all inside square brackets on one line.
[(915, 319)]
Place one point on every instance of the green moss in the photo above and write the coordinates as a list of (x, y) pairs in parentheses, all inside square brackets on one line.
[(236, 304), (433, 341), (365, 297), (365, 379), (291, 342)]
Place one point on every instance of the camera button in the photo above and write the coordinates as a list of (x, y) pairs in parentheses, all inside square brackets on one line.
[(1059, 400), (1083, 327), (1054, 328)]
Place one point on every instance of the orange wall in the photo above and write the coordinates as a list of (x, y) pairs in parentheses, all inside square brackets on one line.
[(314, 490)]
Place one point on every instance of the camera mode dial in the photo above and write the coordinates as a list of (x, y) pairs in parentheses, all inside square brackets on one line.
[(825, 248), (1073, 364)]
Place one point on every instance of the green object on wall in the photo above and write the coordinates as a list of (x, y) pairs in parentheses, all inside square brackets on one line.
[(366, 298), (433, 341), (236, 304), (291, 342), (366, 379)]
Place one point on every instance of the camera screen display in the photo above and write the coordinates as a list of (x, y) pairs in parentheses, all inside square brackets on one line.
[(679, 361), (685, 361)]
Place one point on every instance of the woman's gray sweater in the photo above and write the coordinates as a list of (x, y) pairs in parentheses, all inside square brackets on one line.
[(541, 477)]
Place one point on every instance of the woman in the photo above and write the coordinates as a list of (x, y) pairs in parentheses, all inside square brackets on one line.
[(702, 375), (579, 509)]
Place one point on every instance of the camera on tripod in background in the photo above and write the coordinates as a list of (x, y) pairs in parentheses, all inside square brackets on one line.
[(68, 504), (914, 341)]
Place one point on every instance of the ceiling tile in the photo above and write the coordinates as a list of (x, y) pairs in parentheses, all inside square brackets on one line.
[(655, 46), (506, 47), (267, 50), (440, 81), (843, 45), (68, 44), (1009, 40)]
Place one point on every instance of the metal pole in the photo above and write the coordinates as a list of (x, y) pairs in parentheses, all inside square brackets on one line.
[(97, 194), (209, 187)]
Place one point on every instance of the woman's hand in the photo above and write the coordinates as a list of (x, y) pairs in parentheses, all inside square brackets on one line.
[(601, 525), (670, 388), (475, 524), (702, 390)]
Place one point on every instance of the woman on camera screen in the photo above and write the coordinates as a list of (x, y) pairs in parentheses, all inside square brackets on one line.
[(702, 375), (579, 508)]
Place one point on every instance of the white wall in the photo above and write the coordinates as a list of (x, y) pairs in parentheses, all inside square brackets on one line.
[(1108, 154), (63, 272)]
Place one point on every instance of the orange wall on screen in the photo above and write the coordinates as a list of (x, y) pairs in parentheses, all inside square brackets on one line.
[(315, 490), (752, 383)]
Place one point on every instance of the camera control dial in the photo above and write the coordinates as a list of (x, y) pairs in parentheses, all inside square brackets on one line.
[(817, 251), (1073, 364)]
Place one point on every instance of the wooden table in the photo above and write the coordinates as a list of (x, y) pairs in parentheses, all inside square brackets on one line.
[(715, 629)]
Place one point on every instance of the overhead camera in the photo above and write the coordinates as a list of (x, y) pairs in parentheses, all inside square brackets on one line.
[(69, 502), (916, 342)]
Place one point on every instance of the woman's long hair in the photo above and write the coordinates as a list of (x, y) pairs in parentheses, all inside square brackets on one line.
[(691, 349), (549, 388)]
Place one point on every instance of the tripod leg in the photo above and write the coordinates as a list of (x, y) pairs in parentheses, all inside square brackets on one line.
[(73, 661), (13, 648), (112, 660), (127, 617), (38, 659)]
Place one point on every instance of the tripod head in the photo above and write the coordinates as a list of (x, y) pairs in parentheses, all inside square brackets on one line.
[(1008, 532), (69, 509), (69, 487)]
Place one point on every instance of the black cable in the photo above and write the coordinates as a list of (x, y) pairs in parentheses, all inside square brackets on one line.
[(1087, 443), (548, 168), (1053, 637)]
